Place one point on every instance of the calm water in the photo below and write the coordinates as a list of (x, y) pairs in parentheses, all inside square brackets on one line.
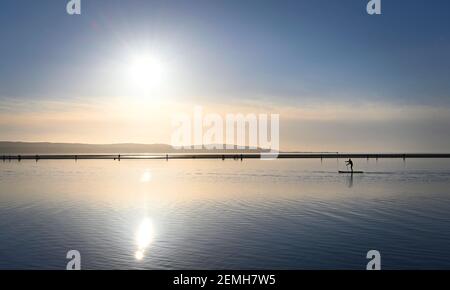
[(208, 214)]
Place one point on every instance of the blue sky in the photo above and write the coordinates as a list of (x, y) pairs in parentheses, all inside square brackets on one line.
[(287, 53)]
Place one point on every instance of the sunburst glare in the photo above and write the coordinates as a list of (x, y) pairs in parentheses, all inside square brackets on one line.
[(146, 72)]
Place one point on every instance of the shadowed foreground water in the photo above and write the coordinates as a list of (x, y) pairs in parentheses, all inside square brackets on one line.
[(210, 214)]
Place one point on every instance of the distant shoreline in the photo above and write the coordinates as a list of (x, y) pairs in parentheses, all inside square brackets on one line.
[(45, 150), (223, 156)]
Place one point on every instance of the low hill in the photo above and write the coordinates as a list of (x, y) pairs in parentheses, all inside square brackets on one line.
[(7, 147)]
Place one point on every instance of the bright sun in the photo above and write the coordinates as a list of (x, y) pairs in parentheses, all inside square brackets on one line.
[(146, 72)]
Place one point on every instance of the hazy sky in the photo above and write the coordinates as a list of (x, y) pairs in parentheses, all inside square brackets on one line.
[(341, 80)]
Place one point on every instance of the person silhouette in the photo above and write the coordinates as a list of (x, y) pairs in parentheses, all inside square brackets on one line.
[(349, 162)]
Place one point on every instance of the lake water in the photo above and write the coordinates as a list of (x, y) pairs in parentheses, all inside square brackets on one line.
[(213, 214)]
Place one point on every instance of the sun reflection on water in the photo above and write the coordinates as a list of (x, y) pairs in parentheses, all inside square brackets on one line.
[(144, 237), (146, 176)]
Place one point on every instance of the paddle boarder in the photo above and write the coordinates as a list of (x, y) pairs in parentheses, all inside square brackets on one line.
[(349, 162)]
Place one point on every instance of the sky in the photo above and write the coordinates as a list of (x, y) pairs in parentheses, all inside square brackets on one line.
[(340, 79)]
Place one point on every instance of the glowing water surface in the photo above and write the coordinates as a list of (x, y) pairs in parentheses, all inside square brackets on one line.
[(212, 214)]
